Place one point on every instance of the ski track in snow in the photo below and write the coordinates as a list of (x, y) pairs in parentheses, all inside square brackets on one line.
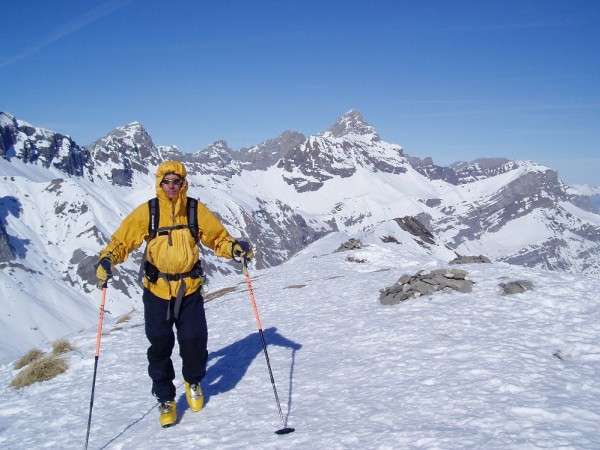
[(477, 370)]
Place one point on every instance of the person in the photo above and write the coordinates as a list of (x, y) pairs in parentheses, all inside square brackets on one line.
[(172, 283)]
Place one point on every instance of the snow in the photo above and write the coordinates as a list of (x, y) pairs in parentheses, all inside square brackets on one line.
[(514, 235), (586, 189), (476, 370), (584, 216), (15, 168)]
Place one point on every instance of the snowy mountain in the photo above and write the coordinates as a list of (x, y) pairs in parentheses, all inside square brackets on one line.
[(593, 192), (42, 148), (123, 153), (59, 203), (456, 370)]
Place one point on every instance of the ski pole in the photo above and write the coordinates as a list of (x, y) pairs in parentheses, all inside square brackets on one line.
[(100, 320), (284, 430)]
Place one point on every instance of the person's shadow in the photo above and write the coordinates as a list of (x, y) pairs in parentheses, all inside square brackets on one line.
[(10, 246), (227, 366)]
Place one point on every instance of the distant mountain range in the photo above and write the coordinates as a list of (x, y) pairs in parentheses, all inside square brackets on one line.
[(59, 203)]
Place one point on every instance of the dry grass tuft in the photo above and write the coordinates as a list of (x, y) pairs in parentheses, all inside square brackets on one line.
[(61, 346), (124, 318), (213, 295), (42, 369), (28, 358)]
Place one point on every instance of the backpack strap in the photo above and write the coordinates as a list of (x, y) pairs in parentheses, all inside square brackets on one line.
[(154, 218), (192, 215), (150, 271)]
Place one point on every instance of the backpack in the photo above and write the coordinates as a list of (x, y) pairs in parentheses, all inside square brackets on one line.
[(149, 270), (192, 216)]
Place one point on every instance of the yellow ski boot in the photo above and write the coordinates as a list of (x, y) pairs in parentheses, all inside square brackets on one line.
[(168, 414), (195, 398)]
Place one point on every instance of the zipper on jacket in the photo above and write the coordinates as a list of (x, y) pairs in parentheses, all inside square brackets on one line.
[(170, 240)]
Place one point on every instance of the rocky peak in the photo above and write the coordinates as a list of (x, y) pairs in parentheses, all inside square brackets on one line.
[(462, 172), (128, 137), (7, 119), (351, 123), (169, 152), (220, 147), (8, 133), (123, 151), (340, 151), (42, 147), (216, 158), (266, 154), (429, 169), (482, 168)]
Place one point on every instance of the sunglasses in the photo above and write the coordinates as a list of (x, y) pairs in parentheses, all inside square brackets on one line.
[(176, 181)]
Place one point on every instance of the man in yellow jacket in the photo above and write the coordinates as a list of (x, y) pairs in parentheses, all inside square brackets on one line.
[(172, 283)]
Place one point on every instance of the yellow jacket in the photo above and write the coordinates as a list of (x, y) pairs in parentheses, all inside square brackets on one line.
[(176, 252)]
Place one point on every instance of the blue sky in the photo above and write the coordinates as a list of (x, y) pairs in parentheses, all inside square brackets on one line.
[(455, 80)]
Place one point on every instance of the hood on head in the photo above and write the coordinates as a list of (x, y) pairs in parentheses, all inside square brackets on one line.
[(166, 168)]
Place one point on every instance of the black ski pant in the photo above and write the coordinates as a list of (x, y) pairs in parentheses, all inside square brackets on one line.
[(192, 336)]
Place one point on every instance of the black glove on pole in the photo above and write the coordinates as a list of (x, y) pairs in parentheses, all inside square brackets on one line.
[(284, 430)]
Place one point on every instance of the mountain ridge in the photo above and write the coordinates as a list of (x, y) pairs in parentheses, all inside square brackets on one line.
[(60, 202)]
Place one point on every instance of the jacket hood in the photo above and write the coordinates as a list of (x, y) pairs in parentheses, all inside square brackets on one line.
[(166, 168)]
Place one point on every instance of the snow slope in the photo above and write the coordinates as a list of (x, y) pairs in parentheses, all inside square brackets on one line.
[(477, 370)]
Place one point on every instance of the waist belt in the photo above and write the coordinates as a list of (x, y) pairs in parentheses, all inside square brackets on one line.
[(153, 274)]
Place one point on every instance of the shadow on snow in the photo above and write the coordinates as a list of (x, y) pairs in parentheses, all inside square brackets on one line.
[(14, 246), (227, 367), (230, 364)]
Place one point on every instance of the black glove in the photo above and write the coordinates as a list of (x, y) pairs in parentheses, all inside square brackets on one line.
[(242, 249), (104, 271)]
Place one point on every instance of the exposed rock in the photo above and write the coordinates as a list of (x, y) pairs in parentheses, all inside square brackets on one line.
[(356, 260), (216, 159), (422, 283), (470, 260), (268, 153), (85, 264), (432, 171), (351, 122), (389, 240), (516, 287), (9, 206), (351, 244), (416, 228), (539, 190), (7, 252), (482, 168), (41, 147), (339, 151), (287, 232), (124, 151)]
